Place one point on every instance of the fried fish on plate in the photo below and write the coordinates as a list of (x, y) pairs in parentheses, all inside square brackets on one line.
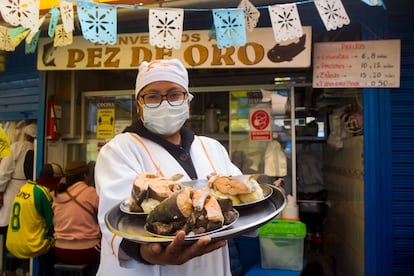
[(194, 211), (150, 189), (239, 189)]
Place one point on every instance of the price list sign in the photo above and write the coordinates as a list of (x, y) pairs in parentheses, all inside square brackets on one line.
[(357, 64)]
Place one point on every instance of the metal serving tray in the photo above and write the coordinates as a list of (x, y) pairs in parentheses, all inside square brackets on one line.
[(131, 226)]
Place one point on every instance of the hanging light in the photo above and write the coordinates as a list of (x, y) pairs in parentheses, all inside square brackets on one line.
[(373, 2)]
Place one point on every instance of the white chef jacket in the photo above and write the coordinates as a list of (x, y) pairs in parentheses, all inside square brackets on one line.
[(118, 164), (12, 176)]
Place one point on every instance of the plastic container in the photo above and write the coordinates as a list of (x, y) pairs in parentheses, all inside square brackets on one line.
[(281, 244), (211, 119), (291, 211)]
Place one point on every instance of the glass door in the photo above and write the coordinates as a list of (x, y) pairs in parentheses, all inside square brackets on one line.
[(105, 113)]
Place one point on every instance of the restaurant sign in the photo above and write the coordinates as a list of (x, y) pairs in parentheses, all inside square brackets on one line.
[(198, 50)]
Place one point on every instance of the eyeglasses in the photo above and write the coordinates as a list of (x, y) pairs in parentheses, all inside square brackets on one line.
[(174, 98)]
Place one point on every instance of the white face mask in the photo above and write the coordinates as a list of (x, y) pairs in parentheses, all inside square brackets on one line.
[(165, 120)]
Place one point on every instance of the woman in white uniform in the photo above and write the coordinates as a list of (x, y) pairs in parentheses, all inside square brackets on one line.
[(15, 170), (157, 142)]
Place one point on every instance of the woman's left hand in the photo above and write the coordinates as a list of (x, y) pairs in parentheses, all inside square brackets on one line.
[(177, 253)]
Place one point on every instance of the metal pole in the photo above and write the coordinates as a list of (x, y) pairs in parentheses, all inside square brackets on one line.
[(293, 138)]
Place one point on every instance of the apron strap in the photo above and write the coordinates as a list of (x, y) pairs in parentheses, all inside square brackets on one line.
[(206, 153), (112, 244), (136, 137)]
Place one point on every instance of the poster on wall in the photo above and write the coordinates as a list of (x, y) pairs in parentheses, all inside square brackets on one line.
[(4, 144), (260, 124), (105, 119), (355, 64), (198, 50)]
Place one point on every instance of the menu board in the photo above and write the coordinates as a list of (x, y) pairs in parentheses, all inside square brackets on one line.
[(357, 64)]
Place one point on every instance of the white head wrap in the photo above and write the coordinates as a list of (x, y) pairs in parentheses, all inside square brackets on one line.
[(162, 70), (30, 130)]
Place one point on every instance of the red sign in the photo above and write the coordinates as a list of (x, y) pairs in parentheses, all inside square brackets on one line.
[(260, 128)]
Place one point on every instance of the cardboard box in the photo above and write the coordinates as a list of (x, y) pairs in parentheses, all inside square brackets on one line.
[(281, 244)]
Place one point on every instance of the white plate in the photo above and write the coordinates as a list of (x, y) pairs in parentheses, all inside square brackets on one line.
[(124, 207), (193, 236), (267, 192)]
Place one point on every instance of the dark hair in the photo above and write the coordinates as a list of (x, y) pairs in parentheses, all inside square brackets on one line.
[(70, 180), (29, 138), (61, 188)]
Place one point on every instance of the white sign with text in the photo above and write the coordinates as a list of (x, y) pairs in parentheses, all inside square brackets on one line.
[(357, 64)]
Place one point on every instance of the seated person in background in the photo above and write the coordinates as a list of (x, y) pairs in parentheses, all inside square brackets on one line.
[(30, 231), (75, 206)]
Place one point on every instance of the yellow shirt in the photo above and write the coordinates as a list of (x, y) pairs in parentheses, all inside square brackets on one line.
[(30, 231)]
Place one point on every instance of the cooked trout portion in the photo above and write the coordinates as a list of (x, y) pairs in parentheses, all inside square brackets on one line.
[(172, 214), (194, 211), (239, 189), (150, 189)]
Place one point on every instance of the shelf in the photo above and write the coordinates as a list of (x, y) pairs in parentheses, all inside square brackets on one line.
[(306, 109), (310, 139), (298, 138), (217, 136)]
